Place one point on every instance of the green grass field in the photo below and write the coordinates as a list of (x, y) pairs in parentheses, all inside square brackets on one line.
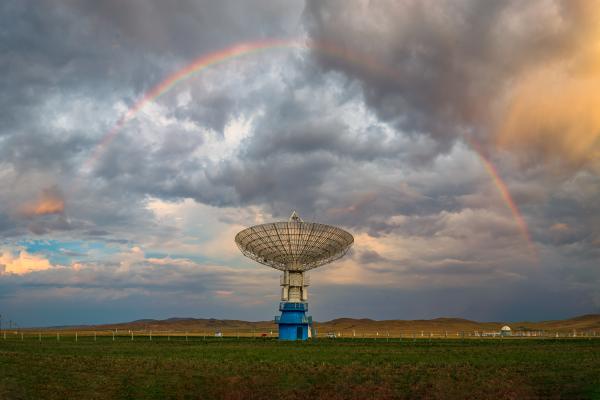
[(329, 369)]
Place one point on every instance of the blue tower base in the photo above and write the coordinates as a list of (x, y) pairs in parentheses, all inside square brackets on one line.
[(294, 324)]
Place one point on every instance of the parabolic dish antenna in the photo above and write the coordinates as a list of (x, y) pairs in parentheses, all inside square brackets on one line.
[(294, 247)]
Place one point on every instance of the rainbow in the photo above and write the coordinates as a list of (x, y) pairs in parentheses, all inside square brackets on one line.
[(224, 55), (244, 49), (506, 196)]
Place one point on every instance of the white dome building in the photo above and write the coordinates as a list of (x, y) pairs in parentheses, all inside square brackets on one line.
[(505, 331)]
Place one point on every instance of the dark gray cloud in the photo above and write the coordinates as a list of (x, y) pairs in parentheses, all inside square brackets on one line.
[(382, 154), (6, 224), (451, 60), (69, 70), (370, 256), (185, 27)]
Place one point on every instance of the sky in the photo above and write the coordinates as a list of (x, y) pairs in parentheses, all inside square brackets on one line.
[(457, 140)]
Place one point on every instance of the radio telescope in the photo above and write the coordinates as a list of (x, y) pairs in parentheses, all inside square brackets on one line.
[(294, 247)]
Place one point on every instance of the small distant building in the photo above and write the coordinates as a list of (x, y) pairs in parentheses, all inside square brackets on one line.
[(505, 331)]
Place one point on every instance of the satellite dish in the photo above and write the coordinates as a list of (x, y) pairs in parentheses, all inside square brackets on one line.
[(294, 247)]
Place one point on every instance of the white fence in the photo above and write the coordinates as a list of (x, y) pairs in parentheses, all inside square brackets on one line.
[(182, 335)]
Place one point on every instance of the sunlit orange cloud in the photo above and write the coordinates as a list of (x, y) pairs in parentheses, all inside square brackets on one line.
[(49, 201), (22, 264), (558, 115), (554, 109)]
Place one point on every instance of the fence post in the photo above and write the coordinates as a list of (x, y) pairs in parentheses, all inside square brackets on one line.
[(40, 336), (94, 336), (57, 336), (76, 336), (132, 335), (113, 334)]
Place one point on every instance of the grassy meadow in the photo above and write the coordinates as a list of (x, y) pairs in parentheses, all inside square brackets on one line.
[(230, 368)]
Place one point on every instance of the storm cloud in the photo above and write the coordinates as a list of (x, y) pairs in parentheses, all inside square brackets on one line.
[(455, 139)]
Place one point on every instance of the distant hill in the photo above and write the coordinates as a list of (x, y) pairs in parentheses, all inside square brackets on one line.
[(590, 322)]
